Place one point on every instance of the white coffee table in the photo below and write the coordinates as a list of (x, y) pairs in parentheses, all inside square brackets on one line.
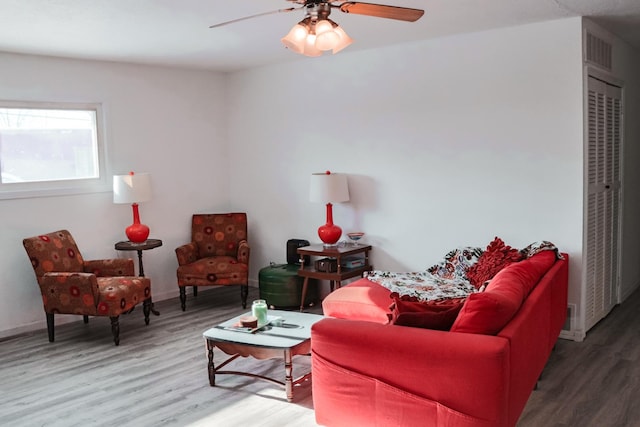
[(289, 336)]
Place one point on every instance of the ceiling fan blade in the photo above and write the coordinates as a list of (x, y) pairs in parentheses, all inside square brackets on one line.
[(290, 9), (382, 11)]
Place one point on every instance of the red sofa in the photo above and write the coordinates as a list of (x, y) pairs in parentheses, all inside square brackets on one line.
[(368, 372)]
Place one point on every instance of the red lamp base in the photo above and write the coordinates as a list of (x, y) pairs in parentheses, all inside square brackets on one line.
[(137, 232), (329, 234)]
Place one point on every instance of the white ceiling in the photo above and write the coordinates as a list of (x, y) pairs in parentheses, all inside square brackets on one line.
[(176, 32)]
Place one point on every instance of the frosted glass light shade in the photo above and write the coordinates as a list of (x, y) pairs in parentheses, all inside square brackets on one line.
[(329, 188), (310, 48), (344, 40), (132, 188), (326, 38), (295, 39)]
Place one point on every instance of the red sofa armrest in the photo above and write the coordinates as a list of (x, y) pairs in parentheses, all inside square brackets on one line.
[(466, 375)]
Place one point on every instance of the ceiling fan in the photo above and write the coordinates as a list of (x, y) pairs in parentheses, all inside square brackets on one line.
[(317, 33)]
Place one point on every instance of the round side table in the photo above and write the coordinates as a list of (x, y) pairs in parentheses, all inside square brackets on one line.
[(128, 245)]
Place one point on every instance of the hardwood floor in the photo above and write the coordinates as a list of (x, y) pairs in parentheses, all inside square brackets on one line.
[(158, 375), (595, 382)]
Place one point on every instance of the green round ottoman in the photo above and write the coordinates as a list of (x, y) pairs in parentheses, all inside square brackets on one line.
[(281, 286)]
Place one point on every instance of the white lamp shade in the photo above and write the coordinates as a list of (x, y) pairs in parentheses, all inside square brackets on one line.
[(132, 188), (329, 188)]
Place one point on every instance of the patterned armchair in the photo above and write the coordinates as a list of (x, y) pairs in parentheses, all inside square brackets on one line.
[(71, 285), (217, 255)]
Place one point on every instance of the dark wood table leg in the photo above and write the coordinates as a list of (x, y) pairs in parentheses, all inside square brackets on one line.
[(141, 274), (210, 366), (288, 375), (305, 282)]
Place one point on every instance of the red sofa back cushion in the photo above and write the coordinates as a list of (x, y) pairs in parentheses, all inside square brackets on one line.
[(489, 311), (527, 273)]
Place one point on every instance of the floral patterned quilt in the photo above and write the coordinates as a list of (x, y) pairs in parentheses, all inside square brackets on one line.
[(422, 285), (446, 280)]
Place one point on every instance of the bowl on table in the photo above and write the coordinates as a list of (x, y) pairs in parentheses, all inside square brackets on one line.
[(354, 236)]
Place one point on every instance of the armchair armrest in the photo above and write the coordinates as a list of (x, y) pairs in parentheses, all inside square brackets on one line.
[(187, 253), (75, 285), (110, 267), (243, 252)]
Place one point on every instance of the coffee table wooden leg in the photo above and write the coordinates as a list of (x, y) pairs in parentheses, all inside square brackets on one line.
[(288, 375), (304, 292), (210, 366)]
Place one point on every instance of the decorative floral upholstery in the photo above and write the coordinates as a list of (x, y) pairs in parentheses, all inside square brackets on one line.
[(71, 285), (218, 254)]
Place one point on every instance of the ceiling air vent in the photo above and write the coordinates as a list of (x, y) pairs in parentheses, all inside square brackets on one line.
[(599, 51)]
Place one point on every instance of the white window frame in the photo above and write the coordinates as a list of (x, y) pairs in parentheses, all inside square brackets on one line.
[(21, 190)]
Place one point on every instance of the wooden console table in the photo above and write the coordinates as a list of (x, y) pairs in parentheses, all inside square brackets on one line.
[(338, 253)]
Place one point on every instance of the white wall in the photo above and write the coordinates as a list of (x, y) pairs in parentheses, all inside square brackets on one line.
[(447, 142), (168, 122)]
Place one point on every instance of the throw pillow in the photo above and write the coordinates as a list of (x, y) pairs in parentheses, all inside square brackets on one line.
[(486, 312), (493, 259), (438, 315), (489, 311), (524, 274)]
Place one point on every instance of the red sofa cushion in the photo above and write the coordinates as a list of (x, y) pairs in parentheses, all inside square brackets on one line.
[(494, 258), (359, 300), (434, 315), (486, 313), (527, 273), (489, 311)]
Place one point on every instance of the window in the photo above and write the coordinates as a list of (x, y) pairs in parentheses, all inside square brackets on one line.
[(50, 149)]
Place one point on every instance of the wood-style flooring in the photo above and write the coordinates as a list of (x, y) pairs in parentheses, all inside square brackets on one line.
[(158, 375), (594, 383)]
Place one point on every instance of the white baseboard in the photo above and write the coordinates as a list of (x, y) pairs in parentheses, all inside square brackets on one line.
[(64, 319), (574, 335)]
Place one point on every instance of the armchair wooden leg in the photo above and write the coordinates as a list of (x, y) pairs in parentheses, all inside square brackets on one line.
[(244, 292), (183, 297), (115, 329), (85, 318), (50, 326), (146, 309), (195, 291)]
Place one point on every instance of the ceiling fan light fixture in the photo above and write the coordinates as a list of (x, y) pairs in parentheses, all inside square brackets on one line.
[(326, 37), (317, 33), (296, 38), (344, 40), (310, 48)]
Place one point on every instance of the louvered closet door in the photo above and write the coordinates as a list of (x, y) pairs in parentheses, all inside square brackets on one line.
[(603, 199)]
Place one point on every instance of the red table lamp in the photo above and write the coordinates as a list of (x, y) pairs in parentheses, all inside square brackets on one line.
[(329, 188), (133, 188)]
